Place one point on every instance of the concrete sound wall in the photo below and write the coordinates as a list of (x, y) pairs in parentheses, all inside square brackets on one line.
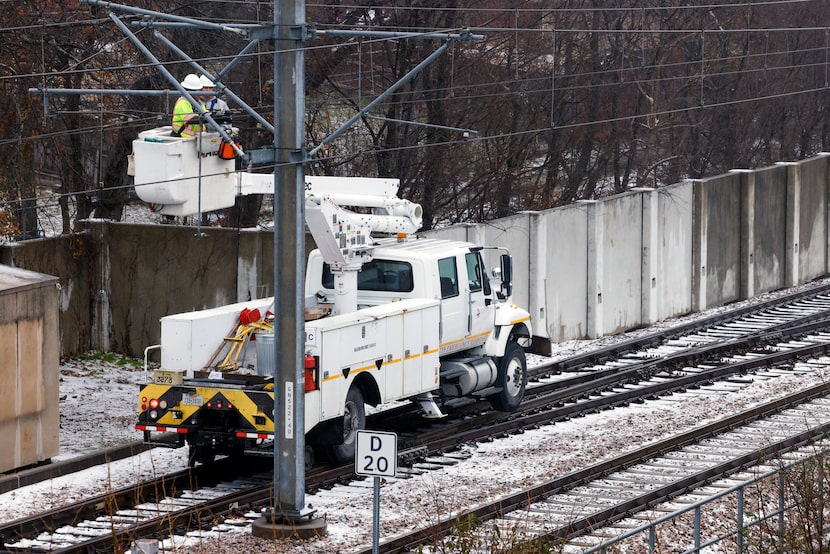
[(117, 280), (582, 271), (600, 267), (158, 270), (758, 231)]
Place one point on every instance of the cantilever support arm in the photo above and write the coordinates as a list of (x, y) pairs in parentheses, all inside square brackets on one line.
[(402, 81), (175, 82), (174, 18)]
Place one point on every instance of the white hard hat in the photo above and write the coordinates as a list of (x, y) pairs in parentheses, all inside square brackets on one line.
[(192, 82), (205, 81)]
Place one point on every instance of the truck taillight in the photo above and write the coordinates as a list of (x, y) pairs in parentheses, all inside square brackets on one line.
[(219, 404), (310, 372), (152, 403)]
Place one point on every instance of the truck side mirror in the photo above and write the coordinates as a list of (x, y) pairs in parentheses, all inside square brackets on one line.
[(506, 276)]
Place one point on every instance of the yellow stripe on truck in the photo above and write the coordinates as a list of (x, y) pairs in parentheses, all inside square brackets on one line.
[(338, 375), (465, 339)]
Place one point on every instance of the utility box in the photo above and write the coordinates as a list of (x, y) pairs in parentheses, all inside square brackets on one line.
[(29, 368), (189, 340)]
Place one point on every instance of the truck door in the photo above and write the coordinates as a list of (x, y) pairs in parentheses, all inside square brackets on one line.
[(480, 306), (453, 307)]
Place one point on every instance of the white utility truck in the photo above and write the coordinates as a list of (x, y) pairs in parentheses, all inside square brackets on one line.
[(389, 316)]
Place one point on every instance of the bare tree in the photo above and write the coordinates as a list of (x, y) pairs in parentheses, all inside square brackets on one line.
[(558, 103)]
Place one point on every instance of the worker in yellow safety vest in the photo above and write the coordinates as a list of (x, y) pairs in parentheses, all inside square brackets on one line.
[(185, 117)]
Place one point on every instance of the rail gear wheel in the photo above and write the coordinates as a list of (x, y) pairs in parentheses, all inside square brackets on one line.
[(354, 420), (512, 379)]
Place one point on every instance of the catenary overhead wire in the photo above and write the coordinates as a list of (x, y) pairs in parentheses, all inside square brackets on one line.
[(633, 69)]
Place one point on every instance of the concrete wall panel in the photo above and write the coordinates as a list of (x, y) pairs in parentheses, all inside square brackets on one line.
[(811, 242), (565, 272), (716, 243), (620, 254), (768, 219), (673, 274)]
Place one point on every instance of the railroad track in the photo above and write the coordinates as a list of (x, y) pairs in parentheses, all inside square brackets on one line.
[(756, 318), (654, 375), (732, 323), (599, 495), (165, 505)]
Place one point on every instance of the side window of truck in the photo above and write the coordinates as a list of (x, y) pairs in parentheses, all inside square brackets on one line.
[(448, 274), (378, 275), (473, 271)]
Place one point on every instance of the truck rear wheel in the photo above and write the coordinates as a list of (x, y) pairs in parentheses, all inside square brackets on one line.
[(512, 379), (354, 420)]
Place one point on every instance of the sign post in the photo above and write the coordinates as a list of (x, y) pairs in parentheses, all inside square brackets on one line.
[(376, 455)]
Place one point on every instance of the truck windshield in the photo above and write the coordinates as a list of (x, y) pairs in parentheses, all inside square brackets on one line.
[(377, 275)]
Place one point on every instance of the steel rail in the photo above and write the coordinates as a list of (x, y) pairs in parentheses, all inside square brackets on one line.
[(535, 411), (427, 443), (601, 355), (497, 508)]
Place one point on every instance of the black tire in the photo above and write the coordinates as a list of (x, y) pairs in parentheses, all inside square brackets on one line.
[(354, 420), (512, 379), (309, 458)]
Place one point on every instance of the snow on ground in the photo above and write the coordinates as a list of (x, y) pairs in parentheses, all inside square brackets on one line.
[(98, 405), (99, 402)]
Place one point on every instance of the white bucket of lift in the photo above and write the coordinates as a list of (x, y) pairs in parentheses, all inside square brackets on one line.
[(208, 142), (265, 356)]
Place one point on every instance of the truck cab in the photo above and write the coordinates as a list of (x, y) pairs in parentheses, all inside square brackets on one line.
[(452, 272)]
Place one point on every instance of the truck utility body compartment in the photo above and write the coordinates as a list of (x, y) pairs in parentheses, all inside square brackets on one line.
[(397, 343), (189, 339)]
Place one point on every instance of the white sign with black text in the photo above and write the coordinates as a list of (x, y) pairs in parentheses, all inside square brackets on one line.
[(376, 453)]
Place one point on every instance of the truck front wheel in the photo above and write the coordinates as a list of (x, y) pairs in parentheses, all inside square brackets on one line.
[(354, 420), (512, 379)]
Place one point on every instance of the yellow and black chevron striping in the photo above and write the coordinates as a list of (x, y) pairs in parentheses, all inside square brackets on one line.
[(184, 405)]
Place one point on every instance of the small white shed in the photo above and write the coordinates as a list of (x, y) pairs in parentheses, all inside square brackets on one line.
[(29, 368)]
